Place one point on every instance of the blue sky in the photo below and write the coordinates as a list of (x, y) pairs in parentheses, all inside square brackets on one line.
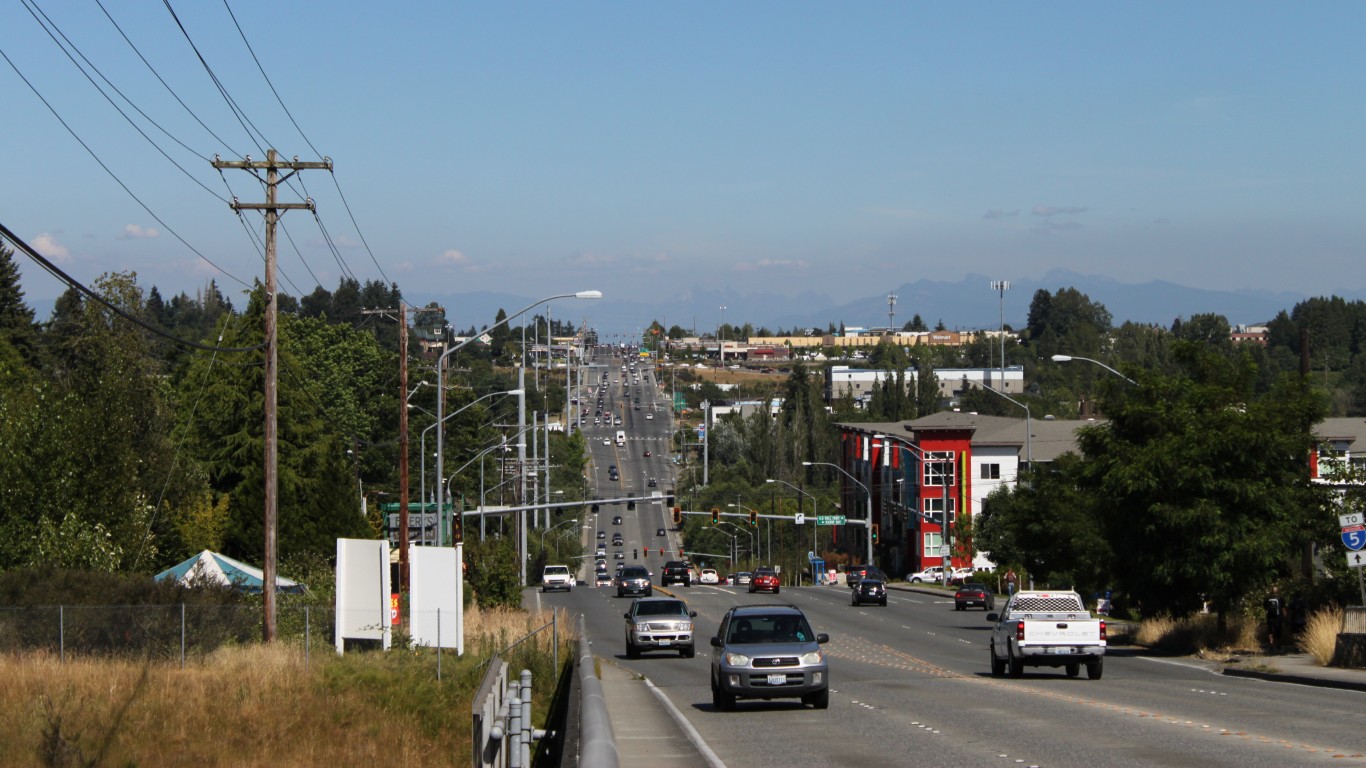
[(782, 147)]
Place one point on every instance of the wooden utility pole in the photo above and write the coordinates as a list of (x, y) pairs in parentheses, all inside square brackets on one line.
[(272, 165)]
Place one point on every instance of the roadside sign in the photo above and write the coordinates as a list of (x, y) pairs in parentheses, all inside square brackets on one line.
[(1356, 560), (1352, 520), (800, 519), (831, 520), (1354, 538), (944, 550)]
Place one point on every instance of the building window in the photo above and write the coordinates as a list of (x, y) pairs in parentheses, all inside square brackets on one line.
[(937, 466), (934, 506), (991, 471), (933, 541)]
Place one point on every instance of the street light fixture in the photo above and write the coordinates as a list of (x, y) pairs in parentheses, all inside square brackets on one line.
[(750, 534), (551, 528), (1070, 358), (868, 515), (441, 417)]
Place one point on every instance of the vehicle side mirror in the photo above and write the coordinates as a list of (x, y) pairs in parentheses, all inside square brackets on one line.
[(692, 614), (716, 642), (993, 617), (626, 615), (822, 639)]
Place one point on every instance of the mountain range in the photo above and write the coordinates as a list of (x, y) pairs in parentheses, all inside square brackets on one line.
[(967, 304)]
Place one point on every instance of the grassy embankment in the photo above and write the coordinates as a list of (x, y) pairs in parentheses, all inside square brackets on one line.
[(254, 705)]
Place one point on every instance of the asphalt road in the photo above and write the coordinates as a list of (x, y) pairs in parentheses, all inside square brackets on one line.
[(910, 686), (910, 683)]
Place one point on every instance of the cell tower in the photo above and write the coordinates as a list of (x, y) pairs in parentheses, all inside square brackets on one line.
[(891, 312)]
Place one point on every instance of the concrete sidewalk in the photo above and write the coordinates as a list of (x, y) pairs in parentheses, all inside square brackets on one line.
[(1298, 668), (646, 731)]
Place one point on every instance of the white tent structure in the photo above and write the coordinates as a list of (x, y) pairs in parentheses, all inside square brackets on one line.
[(221, 569)]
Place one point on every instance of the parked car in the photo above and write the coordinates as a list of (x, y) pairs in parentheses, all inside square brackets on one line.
[(973, 595), (869, 590), (934, 574), (709, 576), (634, 580), (961, 575), (764, 580), (676, 571), (659, 624), (768, 652)]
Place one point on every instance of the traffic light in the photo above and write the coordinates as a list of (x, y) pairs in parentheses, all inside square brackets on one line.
[(595, 509), (669, 498), (875, 533), (678, 515), (715, 515), (753, 517), (457, 528), (635, 554), (630, 505)]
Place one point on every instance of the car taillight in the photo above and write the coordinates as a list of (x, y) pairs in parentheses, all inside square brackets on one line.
[(1019, 630), (1102, 630)]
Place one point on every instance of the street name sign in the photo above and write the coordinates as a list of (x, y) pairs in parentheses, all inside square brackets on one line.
[(831, 520)]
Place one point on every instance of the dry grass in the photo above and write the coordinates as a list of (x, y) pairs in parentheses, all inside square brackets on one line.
[(1321, 635), (1199, 634), (258, 705)]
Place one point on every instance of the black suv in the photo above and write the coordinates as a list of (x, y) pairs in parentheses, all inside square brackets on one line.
[(854, 573), (676, 571)]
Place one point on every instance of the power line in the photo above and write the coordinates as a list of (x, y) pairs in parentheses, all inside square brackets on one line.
[(114, 176), (56, 272)]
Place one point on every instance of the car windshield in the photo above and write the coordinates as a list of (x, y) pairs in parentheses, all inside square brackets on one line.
[(769, 628), (634, 573), (661, 608)]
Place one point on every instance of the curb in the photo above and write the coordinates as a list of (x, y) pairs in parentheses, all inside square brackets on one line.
[(1281, 677)]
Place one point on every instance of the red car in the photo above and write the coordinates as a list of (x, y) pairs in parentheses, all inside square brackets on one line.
[(763, 581)]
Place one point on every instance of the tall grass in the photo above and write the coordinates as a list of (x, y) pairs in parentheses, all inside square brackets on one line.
[(1199, 634), (1320, 636), (259, 705)]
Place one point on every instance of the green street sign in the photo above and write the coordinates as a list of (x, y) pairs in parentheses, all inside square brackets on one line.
[(831, 520)]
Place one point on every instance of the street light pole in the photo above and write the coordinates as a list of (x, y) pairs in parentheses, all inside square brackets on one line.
[(1029, 424), (1070, 358), (441, 383), (868, 514), (814, 526)]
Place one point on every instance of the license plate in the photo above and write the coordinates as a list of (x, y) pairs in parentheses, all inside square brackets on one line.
[(777, 679), (663, 642), (1062, 651)]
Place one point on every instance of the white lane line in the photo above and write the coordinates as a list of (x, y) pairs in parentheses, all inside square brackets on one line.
[(688, 730)]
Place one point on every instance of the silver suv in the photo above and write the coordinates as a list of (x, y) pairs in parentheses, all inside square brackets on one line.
[(659, 624), (768, 652)]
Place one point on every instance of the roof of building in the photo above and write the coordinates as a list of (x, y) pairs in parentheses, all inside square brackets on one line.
[(1049, 438), (1347, 432)]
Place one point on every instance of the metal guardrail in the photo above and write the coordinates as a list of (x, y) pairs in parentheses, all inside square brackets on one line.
[(597, 743)]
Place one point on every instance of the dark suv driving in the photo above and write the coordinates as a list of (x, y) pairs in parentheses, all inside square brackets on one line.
[(676, 571)]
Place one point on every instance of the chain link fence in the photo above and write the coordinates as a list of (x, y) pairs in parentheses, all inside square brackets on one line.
[(165, 632)]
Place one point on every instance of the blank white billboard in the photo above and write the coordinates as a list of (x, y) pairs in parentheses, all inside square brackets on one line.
[(363, 591), (434, 607)]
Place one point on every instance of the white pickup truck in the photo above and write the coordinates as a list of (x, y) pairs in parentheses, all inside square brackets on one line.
[(1047, 629)]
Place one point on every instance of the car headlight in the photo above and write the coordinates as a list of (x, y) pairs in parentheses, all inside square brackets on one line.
[(737, 660), (812, 658)]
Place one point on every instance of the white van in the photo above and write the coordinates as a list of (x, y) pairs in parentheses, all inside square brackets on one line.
[(621, 437)]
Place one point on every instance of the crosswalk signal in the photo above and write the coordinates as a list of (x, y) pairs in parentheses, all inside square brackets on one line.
[(753, 517), (875, 532), (715, 515), (678, 515)]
